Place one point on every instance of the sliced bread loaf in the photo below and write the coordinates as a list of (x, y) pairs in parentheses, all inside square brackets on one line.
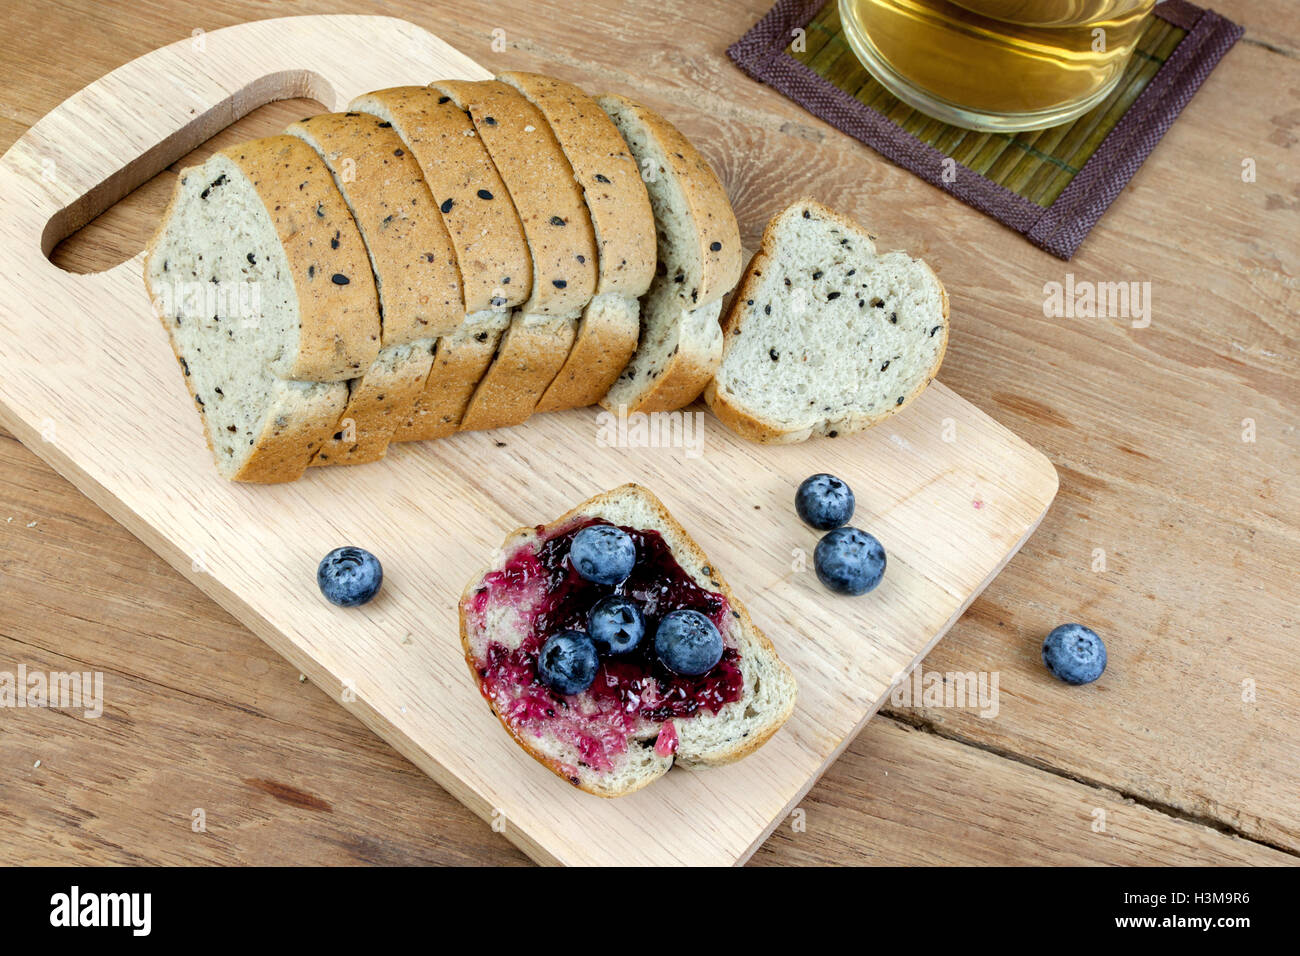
[(637, 718), (415, 270), (624, 227), (825, 336), (560, 239), (698, 263), (491, 249), (257, 272)]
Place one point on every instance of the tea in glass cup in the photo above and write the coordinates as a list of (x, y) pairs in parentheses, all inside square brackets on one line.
[(996, 64)]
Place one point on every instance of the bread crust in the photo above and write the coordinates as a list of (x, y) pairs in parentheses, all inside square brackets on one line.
[(525, 363), (560, 238), (378, 403), (541, 185), (339, 335), (280, 453), (750, 425), (609, 177), (685, 374), (624, 228), (681, 544), (715, 238), (417, 277), (284, 451), (491, 251), (407, 241), (603, 345), (459, 364), (487, 235)]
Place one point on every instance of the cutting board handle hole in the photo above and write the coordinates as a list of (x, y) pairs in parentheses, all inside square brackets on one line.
[(111, 223)]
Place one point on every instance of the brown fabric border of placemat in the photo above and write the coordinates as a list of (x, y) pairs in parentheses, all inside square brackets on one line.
[(1061, 227)]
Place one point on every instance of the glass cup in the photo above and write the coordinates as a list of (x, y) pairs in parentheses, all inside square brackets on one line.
[(996, 64)]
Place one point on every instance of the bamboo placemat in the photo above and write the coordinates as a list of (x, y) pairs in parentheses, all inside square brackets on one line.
[(1050, 185)]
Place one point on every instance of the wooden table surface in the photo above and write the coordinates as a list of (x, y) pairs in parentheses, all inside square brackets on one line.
[(1176, 533)]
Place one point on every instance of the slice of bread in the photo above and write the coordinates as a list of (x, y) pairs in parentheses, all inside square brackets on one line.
[(590, 740), (825, 336), (678, 353), (491, 249), (698, 237), (318, 313), (459, 364), (609, 177), (698, 263), (414, 262), (257, 272), (623, 221), (525, 362), (416, 274), (540, 184), (560, 239)]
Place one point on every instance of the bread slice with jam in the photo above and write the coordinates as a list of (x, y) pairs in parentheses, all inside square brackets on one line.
[(637, 718)]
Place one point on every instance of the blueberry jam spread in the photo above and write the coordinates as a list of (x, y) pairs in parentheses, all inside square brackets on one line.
[(633, 693)]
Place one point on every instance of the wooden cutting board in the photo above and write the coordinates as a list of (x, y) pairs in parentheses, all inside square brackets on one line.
[(88, 382)]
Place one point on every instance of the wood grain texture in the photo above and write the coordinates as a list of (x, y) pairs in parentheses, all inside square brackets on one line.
[(1157, 473)]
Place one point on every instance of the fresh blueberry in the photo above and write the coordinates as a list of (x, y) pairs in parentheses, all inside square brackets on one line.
[(824, 502), (616, 624), (688, 643), (1075, 654), (567, 662), (603, 553), (349, 576), (849, 561)]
